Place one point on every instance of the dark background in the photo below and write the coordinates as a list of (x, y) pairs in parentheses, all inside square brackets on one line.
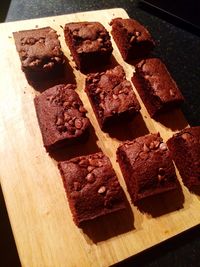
[(180, 50)]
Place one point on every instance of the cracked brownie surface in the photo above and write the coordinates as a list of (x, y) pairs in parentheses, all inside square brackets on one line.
[(185, 150), (39, 49), (146, 166), (61, 116), (133, 39), (111, 95), (91, 186)]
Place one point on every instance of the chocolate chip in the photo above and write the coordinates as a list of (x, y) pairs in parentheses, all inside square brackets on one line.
[(154, 144), (98, 90), (83, 162), (102, 190), (59, 121), (48, 65), (100, 40), (163, 146), (57, 59), (90, 168), (90, 177), (78, 123), (160, 177), (132, 39), (137, 33), (145, 148)]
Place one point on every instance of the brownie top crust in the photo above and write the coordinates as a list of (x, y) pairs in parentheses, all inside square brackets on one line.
[(89, 37), (135, 31), (38, 48), (92, 187), (60, 113), (158, 80), (113, 93)]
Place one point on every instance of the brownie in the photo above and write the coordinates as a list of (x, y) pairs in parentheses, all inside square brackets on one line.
[(40, 51), (111, 95), (92, 187), (133, 40), (89, 44), (185, 150), (61, 116), (155, 86), (146, 166)]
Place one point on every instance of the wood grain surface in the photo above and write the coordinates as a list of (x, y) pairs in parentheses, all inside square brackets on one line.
[(41, 221)]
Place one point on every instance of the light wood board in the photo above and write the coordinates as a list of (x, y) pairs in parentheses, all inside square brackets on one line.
[(41, 221)]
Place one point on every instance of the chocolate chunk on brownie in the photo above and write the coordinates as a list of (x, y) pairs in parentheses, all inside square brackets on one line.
[(91, 186), (89, 44), (185, 150), (155, 86), (61, 116), (111, 95), (39, 50), (133, 40), (146, 166)]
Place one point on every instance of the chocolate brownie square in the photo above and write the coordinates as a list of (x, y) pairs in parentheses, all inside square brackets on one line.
[(39, 51), (185, 150), (61, 116), (89, 44), (133, 39), (111, 95), (155, 86), (146, 166), (91, 186)]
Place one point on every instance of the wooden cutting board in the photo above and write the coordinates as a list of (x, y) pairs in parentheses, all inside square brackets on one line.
[(41, 221)]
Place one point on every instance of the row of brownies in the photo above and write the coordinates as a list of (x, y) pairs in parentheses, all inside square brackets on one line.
[(90, 182)]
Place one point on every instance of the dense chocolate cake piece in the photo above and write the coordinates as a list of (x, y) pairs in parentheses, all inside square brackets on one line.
[(40, 52), (89, 44), (133, 39), (61, 116), (155, 86), (185, 150), (91, 186), (111, 95), (146, 166)]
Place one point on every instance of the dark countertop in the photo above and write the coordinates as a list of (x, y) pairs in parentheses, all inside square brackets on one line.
[(180, 50)]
